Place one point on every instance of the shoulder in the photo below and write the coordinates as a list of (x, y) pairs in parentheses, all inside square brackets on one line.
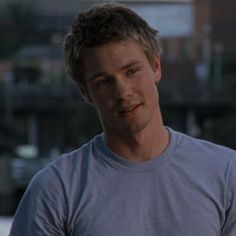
[(68, 167), (202, 157), (204, 148), (205, 161)]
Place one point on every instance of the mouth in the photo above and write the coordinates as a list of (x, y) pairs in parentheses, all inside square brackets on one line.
[(126, 111)]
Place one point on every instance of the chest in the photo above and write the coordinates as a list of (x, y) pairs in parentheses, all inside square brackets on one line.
[(140, 204)]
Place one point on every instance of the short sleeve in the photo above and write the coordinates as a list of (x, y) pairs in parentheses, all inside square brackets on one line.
[(41, 211), (229, 228)]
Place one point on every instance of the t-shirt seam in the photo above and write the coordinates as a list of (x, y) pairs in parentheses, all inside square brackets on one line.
[(133, 169), (145, 169)]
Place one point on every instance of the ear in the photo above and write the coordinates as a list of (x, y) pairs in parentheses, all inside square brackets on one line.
[(84, 92), (157, 69)]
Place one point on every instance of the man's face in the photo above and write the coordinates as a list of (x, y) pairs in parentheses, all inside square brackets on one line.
[(121, 84)]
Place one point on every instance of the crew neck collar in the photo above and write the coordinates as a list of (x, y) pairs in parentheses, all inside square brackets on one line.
[(108, 155)]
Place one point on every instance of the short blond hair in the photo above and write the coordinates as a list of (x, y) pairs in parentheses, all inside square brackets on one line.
[(103, 24)]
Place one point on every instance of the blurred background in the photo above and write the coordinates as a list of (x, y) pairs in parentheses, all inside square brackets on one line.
[(42, 114)]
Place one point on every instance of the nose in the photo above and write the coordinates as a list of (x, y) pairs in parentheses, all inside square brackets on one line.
[(122, 90)]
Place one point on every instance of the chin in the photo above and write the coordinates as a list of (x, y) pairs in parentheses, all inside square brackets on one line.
[(135, 128)]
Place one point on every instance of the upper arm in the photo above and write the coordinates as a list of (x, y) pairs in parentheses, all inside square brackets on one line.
[(229, 228), (42, 208)]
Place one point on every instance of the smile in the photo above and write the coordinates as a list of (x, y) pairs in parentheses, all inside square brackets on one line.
[(128, 110)]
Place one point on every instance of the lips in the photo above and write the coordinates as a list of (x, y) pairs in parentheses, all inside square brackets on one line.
[(127, 110)]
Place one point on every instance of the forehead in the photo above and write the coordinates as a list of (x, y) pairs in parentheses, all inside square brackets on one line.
[(112, 56)]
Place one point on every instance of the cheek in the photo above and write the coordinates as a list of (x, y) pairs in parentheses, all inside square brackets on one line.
[(102, 97), (148, 86), (102, 102), (152, 92)]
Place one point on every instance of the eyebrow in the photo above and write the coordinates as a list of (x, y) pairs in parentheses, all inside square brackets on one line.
[(93, 77), (100, 74), (132, 63)]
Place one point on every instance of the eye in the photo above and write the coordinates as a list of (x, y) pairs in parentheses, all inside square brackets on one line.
[(131, 71), (102, 82)]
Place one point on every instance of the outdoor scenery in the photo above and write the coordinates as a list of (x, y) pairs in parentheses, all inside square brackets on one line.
[(42, 114)]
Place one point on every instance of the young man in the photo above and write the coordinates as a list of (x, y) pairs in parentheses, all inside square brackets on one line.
[(138, 178)]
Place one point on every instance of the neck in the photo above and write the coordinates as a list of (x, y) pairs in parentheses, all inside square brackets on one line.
[(140, 146)]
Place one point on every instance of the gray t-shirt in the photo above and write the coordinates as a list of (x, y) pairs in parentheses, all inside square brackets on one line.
[(189, 190)]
